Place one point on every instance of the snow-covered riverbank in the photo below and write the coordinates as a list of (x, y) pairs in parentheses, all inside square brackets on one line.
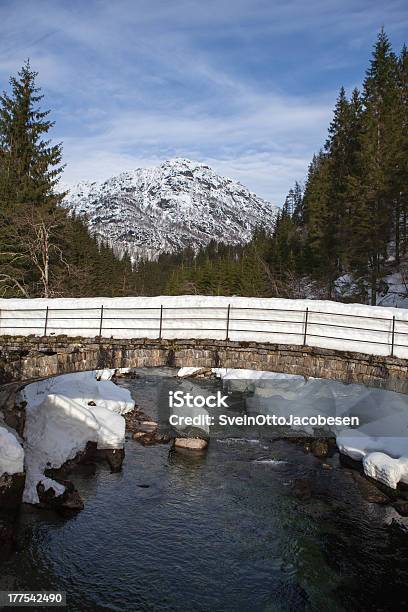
[(63, 414), (381, 439), (11, 453)]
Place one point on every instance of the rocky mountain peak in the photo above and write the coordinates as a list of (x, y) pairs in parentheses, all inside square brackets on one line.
[(177, 204)]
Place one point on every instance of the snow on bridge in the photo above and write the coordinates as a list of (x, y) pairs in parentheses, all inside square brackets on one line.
[(333, 325)]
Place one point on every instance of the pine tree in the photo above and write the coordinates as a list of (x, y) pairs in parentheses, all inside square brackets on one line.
[(401, 174), (317, 215), (32, 164), (378, 156), (298, 212), (30, 168), (342, 148)]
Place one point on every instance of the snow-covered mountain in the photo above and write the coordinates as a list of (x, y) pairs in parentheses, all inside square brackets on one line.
[(177, 204)]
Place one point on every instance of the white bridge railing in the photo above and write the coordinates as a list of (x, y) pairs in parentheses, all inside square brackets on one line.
[(380, 331)]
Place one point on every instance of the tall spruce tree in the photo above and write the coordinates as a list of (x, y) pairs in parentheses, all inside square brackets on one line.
[(342, 148), (317, 217), (378, 148), (30, 169), (401, 174), (32, 164), (337, 149)]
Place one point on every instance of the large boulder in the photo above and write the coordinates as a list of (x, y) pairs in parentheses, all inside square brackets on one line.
[(84, 457), (91, 453), (67, 503), (193, 444), (143, 429)]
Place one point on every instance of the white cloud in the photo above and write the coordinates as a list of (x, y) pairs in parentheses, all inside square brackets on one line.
[(134, 82), (266, 143)]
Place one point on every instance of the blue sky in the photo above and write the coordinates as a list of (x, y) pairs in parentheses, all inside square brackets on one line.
[(247, 86)]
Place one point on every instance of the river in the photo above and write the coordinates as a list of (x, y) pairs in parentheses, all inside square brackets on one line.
[(224, 531)]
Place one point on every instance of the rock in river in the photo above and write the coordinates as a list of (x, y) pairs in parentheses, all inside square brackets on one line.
[(195, 444), (68, 503)]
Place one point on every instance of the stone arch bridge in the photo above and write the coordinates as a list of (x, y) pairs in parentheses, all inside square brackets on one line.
[(27, 358)]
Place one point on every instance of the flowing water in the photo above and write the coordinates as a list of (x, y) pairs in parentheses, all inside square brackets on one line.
[(224, 531)]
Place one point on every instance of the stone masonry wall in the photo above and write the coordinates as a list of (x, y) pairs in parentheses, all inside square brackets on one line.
[(27, 358)]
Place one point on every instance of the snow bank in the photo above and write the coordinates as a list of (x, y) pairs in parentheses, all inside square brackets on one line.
[(11, 453), (381, 439), (108, 373), (384, 456), (354, 327), (386, 469), (241, 374), (60, 421), (183, 372), (250, 380)]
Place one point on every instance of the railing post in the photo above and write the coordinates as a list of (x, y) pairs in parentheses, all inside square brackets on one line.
[(228, 321), (305, 332), (46, 322), (392, 336), (101, 321), (161, 322)]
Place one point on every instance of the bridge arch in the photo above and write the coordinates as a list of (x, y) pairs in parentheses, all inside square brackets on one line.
[(27, 358)]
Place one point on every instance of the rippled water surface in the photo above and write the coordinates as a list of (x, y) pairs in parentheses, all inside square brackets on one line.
[(225, 531)]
